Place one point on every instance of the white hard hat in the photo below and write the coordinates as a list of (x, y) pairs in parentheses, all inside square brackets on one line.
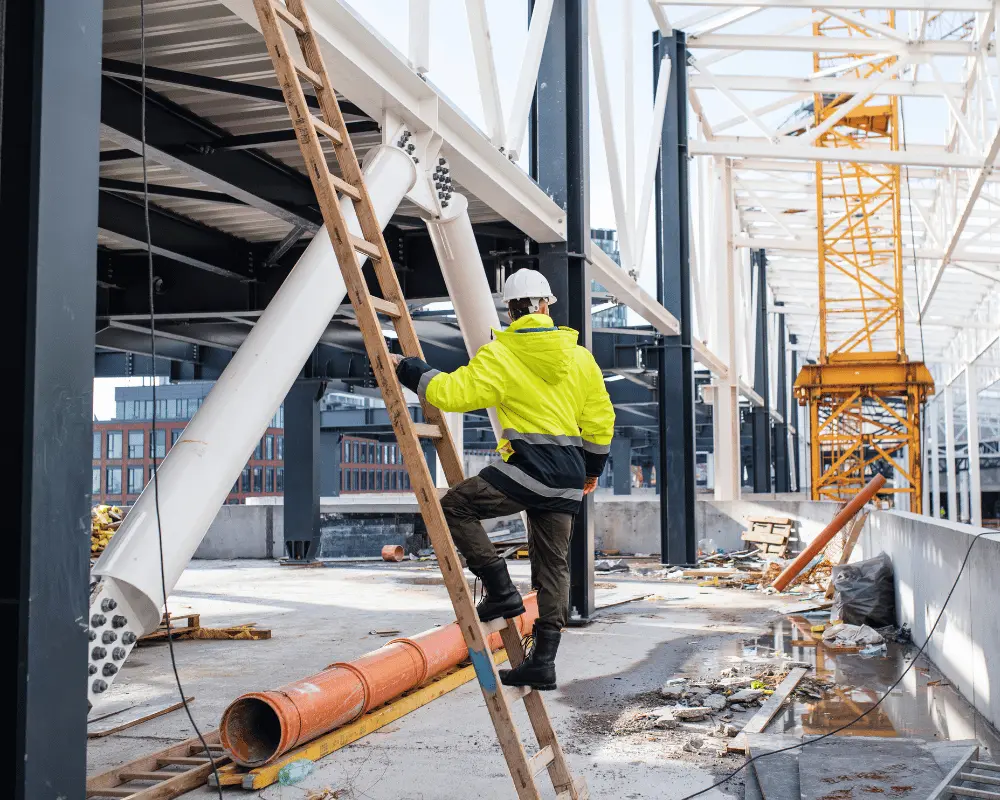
[(527, 283)]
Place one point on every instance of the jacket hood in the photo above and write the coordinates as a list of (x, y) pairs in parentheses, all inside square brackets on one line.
[(543, 348)]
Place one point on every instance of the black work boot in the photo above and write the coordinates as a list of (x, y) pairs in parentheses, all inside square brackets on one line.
[(538, 670), (500, 597)]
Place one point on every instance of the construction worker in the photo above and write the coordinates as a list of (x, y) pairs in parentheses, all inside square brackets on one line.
[(557, 422)]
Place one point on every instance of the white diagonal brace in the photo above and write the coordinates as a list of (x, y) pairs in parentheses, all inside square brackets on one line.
[(486, 70), (662, 22), (528, 76), (652, 151), (963, 218), (610, 144), (420, 35), (740, 106)]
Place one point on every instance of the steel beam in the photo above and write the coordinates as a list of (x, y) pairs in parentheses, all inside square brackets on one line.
[(972, 444), (621, 464), (560, 164), (302, 469), (782, 475), (675, 381), (49, 96), (761, 415), (174, 237), (173, 135), (949, 452)]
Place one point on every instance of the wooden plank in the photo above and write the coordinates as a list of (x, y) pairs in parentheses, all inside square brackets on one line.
[(263, 777), (541, 759), (288, 17), (344, 187), (330, 133), (148, 762), (313, 77), (366, 247), (385, 307), (175, 787), (763, 537), (145, 776), (768, 709), (427, 431), (139, 715), (184, 761), (771, 520), (111, 793)]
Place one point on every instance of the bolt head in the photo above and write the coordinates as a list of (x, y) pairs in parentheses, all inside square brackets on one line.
[(99, 686), (98, 620), (109, 604), (91, 669), (109, 670), (108, 637), (118, 621), (98, 653)]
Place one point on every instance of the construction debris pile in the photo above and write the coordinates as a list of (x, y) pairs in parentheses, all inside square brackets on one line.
[(704, 715), (104, 521)]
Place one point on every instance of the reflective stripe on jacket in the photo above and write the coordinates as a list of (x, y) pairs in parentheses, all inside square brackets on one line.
[(551, 400)]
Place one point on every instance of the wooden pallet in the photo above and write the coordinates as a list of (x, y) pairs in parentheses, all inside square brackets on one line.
[(275, 18), (193, 629), (771, 534), (163, 775)]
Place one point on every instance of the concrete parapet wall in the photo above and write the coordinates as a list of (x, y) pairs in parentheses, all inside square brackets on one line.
[(926, 557), (244, 532)]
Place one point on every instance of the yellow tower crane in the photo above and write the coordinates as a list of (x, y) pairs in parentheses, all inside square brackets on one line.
[(864, 394)]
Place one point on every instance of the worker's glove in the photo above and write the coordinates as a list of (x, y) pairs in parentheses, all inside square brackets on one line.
[(589, 485)]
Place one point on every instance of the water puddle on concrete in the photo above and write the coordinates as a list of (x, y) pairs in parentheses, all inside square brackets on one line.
[(845, 685)]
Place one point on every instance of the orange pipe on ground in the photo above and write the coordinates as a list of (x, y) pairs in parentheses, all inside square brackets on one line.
[(392, 552), (258, 727), (853, 507)]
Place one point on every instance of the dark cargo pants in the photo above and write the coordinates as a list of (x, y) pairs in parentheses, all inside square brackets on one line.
[(473, 500)]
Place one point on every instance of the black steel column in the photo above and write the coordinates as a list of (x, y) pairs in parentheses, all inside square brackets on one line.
[(782, 475), (621, 464), (675, 381), (792, 406), (761, 415), (50, 53), (560, 164), (302, 469), (331, 447)]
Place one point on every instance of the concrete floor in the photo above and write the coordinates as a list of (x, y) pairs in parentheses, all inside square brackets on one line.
[(446, 749)]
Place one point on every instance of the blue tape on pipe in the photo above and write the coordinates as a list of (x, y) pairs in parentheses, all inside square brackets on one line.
[(483, 665)]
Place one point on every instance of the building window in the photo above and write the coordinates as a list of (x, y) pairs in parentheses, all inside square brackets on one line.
[(278, 420), (371, 454), (115, 449), (175, 434), (246, 479), (363, 453), (152, 472), (95, 486), (406, 480), (364, 480), (269, 447), (258, 479), (158, 443), (280, 449), (279, 479), (378, 481), (135, 482), (355, 480), (97, 446), (355, 457), (395, 480), (135, 440), (371, 480), (269, 479), (119, 410), (113, 479), (256, 452)]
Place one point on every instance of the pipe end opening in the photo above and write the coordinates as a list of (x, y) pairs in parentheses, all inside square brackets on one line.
[(252, 731)]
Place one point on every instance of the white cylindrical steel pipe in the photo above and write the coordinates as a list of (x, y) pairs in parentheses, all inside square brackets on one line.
[(462, 267), (201, 468)]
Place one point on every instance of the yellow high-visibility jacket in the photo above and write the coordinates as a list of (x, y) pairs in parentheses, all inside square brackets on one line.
[(550, 397)]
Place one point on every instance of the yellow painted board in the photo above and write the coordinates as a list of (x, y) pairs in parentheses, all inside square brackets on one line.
[(266, 776)]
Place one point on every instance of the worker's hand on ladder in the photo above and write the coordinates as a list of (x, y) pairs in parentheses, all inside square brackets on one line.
[(396, 359), (589, 485)]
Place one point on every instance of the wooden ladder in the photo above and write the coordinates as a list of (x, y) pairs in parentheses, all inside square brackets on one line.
[(273, 15)]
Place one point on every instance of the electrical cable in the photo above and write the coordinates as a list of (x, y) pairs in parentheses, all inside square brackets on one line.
[(152, 375), (888, 691)]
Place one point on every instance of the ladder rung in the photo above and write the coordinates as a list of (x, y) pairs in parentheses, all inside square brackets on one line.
[(197, 748), (387, 308), (328, 131), (515, 693), (309, 75), (116, 792), (288, 17), (494, 625), (366, 247), (983, 779), (982, 794), (984, 765), (541, 759), (426, 431), (188, 761), (147, 776), (344, 187)]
